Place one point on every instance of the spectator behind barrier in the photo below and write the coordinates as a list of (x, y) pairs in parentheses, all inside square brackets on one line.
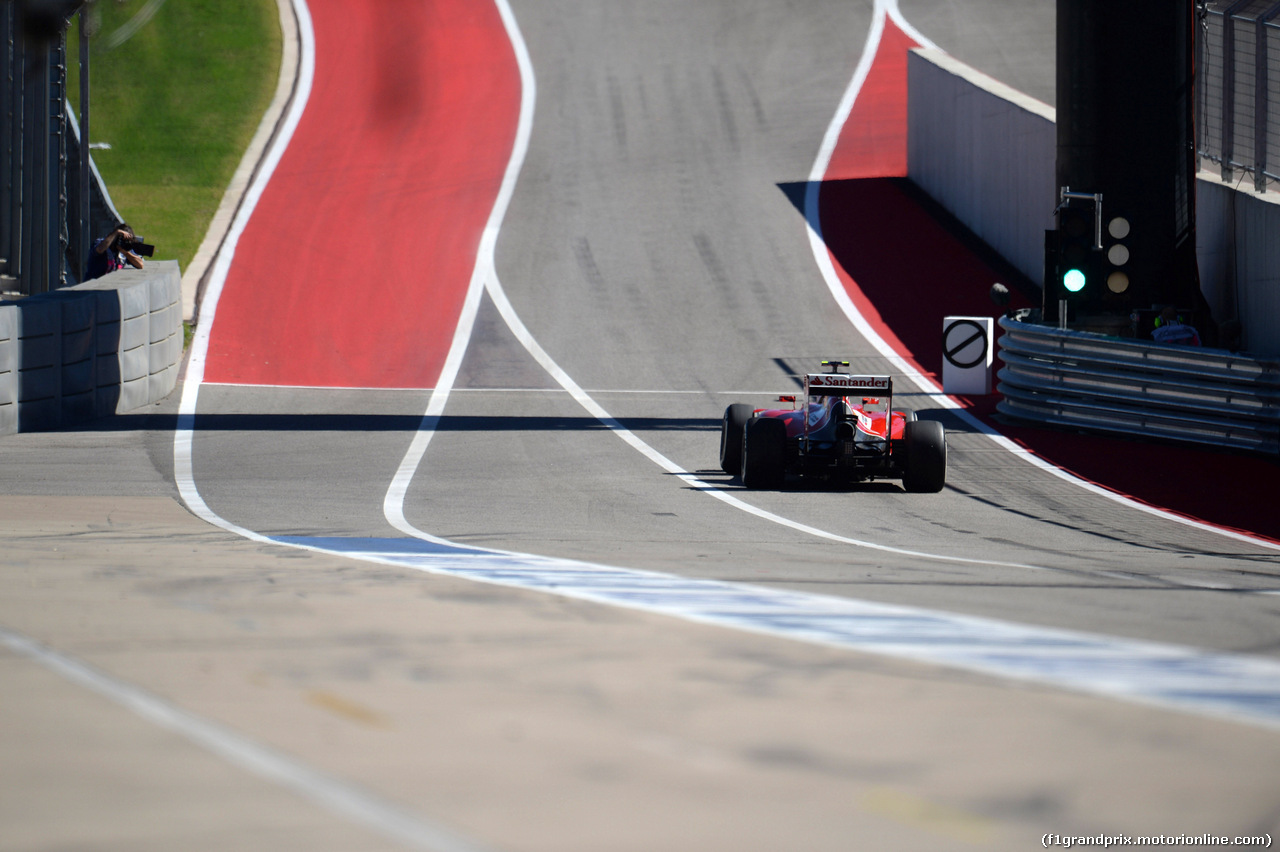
[(112, 252), (1171, 329)]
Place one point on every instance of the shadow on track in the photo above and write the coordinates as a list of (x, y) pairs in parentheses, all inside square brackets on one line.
[(914, 261), (407, 423)]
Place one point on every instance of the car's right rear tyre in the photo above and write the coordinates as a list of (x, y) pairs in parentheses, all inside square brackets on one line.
[(731, 426), (926, 470), (764, 453)]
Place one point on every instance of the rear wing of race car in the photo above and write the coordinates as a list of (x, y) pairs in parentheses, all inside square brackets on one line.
[(838, 384)]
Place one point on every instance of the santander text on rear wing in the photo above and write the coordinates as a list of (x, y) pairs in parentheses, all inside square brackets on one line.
[(837, 384)]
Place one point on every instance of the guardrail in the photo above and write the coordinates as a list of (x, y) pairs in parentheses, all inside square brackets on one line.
[(1088, 381)]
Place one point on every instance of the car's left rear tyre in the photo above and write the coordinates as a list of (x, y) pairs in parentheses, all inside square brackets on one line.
[(731, 427), (764, 453)]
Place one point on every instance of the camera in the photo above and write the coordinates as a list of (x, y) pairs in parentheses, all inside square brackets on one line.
[(135, 245)]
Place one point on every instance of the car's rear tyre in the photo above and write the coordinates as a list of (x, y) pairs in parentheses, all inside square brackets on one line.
[(926, 469), (764, 453), (731, 426), (907, 415)]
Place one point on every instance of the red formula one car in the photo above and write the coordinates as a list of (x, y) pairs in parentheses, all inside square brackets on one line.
[(847, 431)]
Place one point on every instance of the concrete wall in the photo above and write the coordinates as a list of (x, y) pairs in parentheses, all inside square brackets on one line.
[(1238, 247), (105, 347), (986, 153)]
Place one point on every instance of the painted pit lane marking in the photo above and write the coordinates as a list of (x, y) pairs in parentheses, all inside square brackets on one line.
[(1164, 675), (1229, 686), (1239, 688), (485, 279)]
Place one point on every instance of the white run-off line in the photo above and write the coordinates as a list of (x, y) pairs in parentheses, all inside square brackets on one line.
[(1243, 688), (884, 10), (1230, 686), (1240, 688)]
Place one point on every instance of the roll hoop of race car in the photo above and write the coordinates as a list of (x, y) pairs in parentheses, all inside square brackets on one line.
[(839, 434)]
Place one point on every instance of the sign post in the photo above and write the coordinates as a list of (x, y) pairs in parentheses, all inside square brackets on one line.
[(968, 349)]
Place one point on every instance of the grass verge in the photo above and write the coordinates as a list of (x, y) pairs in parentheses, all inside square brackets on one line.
[(177, 90)]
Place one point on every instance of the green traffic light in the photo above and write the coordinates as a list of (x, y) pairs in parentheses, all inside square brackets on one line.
[(1073, 280)]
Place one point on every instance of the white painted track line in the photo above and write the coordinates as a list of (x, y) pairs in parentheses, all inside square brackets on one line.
[(327, 792), (822, 256), (1165, 675), (1240, 688)]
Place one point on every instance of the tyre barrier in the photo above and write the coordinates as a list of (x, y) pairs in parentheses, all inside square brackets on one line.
[(1092, 382), (80, 353)]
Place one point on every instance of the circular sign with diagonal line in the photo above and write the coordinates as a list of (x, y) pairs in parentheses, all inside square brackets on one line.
[(964, 343)]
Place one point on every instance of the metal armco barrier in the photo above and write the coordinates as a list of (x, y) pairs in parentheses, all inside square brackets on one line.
[(1088, 381)]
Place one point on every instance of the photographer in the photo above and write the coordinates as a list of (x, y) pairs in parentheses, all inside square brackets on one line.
[(113, 252)]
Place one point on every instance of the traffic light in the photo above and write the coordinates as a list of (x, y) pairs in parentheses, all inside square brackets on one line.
[(1087, 260), (1072, 266), (1115, 241), (1078, 267)]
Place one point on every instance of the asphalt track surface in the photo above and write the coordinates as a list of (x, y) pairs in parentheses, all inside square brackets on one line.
[(655, 251)]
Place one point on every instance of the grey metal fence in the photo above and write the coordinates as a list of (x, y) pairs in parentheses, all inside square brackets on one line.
[(50, 202), (1238, 97)]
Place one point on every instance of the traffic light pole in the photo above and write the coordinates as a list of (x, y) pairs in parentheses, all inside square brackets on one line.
[(1064, 199), (1125, 85)]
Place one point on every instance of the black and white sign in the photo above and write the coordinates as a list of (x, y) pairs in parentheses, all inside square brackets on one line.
[(967, 354), (964, 343)]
